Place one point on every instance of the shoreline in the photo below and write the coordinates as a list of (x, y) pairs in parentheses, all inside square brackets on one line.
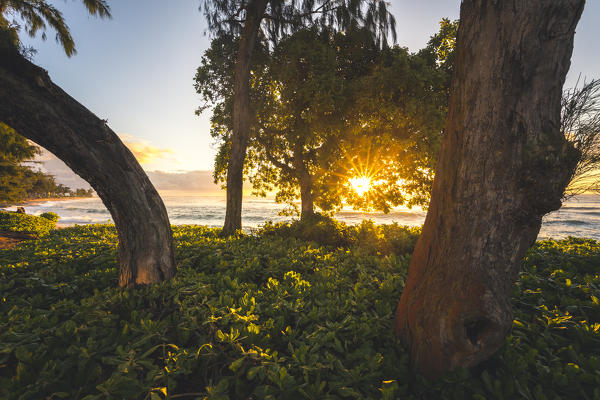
[(33, 202)]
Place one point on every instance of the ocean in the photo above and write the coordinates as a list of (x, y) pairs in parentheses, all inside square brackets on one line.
[(579, 216)]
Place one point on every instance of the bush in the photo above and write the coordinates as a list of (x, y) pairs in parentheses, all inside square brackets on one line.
[(51, 216), (317, 228), (259, 317), (385, 239), (325, 231), (28, 224)]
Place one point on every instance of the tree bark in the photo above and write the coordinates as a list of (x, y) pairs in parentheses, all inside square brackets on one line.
[(306, 196), (503, 165), (307, 207), (42, 112), (241, 116)]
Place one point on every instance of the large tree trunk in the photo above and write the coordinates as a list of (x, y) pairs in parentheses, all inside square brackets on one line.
[(306, 196), (39, 110), (241, 116), (503, 165), (307, 206)]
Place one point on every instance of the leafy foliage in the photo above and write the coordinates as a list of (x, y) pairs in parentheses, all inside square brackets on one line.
[(281, 18), (38, 14), (271, 317), (368, 237), (14, 149), (442, 44), (328, 107), (50, 215), (305, 111), (30, 224)]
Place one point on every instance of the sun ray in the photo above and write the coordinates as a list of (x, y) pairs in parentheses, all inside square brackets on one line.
[(360, 184)]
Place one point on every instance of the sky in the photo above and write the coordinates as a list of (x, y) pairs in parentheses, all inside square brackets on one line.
[(136, 70)]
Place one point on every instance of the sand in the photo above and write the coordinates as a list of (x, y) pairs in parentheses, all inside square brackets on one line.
[(11, 239)]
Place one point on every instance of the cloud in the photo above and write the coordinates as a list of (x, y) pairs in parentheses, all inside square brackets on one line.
[(50, 164), (145, 152), (197, 181)]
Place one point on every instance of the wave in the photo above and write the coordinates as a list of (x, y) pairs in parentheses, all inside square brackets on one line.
[(262, 219), (83, 220), (565, 208), (580, 218), (196, 216), (574, 222)]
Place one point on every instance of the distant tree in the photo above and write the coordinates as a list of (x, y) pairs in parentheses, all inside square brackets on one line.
[(442, 45), (18, 179), (14, 149), (244, 19), (503, 164), (35, 107), (83, 193), (41, 185)]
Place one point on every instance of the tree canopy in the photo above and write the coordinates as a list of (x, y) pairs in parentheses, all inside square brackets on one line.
[(329, 107), (281, 17), (269, 20)]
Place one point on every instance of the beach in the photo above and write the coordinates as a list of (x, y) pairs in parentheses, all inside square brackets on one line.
[(579, 216)]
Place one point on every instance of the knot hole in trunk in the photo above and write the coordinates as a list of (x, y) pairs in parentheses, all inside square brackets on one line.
[(476, 328)]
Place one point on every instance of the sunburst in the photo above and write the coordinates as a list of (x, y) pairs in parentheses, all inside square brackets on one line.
[(360, 184), (361, 171)]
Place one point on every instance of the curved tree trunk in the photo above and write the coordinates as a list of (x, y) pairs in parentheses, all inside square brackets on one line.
[(42, 112), (241, 116), (503, 165)]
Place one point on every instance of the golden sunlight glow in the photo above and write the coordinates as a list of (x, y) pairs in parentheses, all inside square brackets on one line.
[(360, 184)]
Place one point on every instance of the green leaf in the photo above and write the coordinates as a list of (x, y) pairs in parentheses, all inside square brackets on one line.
[(234, 366)]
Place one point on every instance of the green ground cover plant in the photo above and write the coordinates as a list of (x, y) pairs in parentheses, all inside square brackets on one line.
[(265, 316), (28, 224), (326, 231)]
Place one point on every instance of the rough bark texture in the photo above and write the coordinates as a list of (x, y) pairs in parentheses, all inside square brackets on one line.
[(306, 196), (307, 207), (241, 116), (503, 165), (42, 112)]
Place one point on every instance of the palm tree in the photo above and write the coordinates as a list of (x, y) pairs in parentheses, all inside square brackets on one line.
[(41, 111), (38, 14)]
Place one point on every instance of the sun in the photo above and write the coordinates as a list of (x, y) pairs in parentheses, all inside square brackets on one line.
[(360, 184)]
